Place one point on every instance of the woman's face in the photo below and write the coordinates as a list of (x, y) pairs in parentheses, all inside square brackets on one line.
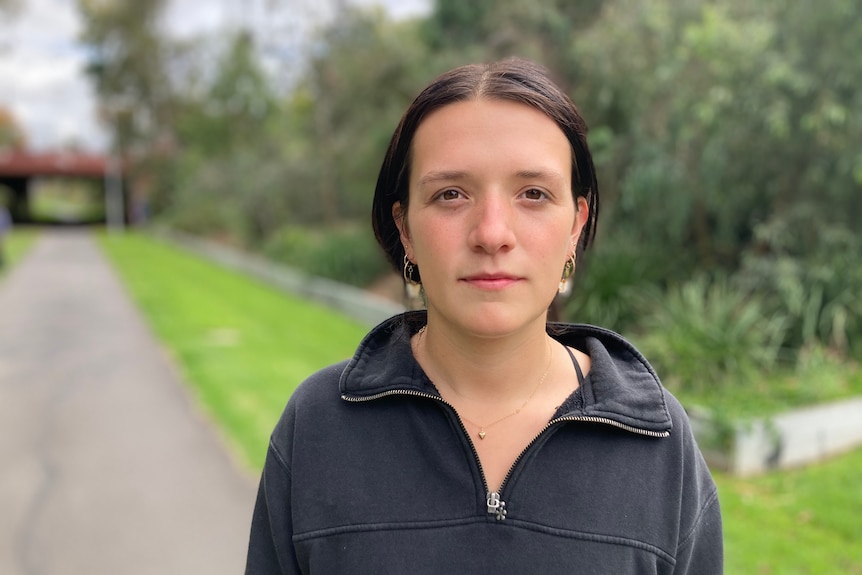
[(491, 218)]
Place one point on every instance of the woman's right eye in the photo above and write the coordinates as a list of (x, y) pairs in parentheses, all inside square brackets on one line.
[(448, 195)]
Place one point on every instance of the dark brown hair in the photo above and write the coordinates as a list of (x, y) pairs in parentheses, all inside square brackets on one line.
[(514, 80)]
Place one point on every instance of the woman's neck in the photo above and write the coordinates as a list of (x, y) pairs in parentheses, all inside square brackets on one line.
[(496, 369)]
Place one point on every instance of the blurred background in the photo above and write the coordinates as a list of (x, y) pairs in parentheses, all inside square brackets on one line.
[(727, 136), (729, 150)]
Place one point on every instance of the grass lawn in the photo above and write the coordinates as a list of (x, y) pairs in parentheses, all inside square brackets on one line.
[(801, 522), (820, 379), (16, 244), (241, 345), (244, 347)]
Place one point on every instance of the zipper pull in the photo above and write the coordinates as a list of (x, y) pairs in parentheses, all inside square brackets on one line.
[(496, 506)]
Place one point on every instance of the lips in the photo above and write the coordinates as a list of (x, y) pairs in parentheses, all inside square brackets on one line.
[(491, 281)]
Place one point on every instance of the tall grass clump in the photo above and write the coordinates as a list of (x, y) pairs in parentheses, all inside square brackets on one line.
[(706, 334), (814, 276)]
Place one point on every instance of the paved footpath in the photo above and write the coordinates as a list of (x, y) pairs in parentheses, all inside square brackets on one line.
[(106, 465)]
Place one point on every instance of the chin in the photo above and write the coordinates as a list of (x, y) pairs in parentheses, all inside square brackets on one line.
[(492, 323)]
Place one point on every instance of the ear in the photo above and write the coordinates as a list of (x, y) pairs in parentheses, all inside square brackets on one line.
[(400, 216), (582, 213)]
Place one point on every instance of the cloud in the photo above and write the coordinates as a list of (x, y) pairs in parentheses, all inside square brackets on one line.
[(188, 18), (41, 63), (41, 79)]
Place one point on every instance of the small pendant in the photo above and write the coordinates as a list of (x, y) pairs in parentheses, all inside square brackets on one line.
[(481, 434)]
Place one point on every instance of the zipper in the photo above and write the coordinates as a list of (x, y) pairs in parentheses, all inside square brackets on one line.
[(494, 504), (582, 419), (414, 393)]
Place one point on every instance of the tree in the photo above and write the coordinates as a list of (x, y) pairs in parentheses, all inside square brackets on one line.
[(137, 98), (716, 126), (362, 78), (235, 107), (11, 135), (542, 30)]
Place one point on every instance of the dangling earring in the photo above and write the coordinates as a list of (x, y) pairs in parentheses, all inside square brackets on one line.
[(411, 286), (565, 287)]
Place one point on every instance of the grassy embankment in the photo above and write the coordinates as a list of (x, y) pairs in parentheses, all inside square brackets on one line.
[(243, 347), (800, 522), (15, 246)]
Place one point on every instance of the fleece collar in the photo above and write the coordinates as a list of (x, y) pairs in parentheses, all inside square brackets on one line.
[(621, 385)]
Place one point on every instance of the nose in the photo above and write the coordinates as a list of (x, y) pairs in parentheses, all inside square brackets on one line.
[(492, 228)]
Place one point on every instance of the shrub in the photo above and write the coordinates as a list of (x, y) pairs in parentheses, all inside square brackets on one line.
[(347, 254), (705, 333), (814, 276), (607, 282)]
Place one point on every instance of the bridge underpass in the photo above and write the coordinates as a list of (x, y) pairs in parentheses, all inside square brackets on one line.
[(22, 172)]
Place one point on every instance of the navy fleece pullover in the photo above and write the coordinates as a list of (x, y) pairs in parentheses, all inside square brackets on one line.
[(369, 471)]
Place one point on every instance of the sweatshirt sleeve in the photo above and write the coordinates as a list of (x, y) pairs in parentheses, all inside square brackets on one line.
[(701, 552), (700, 547), (270, 548)]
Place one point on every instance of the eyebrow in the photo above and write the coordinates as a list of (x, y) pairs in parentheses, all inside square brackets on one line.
[(455, 175), (538, 175), (443, 175)]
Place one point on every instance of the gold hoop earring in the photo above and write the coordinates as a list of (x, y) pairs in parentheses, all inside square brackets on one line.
[(411, 286), (565, 287)]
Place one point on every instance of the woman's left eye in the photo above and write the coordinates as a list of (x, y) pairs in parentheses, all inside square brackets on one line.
[(535, 194)]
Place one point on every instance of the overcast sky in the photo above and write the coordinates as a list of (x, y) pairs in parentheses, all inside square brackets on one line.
[(41, 77)]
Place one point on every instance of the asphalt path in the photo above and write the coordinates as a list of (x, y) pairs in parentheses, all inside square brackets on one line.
[(107, 466)]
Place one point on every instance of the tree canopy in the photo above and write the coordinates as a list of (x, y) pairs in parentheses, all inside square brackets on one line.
[(725, 134)]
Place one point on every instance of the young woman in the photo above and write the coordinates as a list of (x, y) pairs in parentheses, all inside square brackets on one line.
[(475, 437)]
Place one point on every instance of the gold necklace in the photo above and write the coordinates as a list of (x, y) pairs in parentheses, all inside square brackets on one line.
[(482, 428)]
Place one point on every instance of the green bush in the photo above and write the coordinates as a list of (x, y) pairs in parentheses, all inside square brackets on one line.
[(203, 204), (812, 273), (607, 281), (347, 254), (706, 333)]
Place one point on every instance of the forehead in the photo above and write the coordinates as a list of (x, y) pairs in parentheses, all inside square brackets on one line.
[(484, 133)]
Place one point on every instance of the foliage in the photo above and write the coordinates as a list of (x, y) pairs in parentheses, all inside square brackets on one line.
[(812, 273), (239, 198), (722, 145), (363, 57), (66, 200), (242, 346), (346, 254), (126, 65), (723, 132), (482, 31), (137, 99), (308, 157), (707, 333), (231, 178), (819, 376), (237, 104), (608, 282)]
